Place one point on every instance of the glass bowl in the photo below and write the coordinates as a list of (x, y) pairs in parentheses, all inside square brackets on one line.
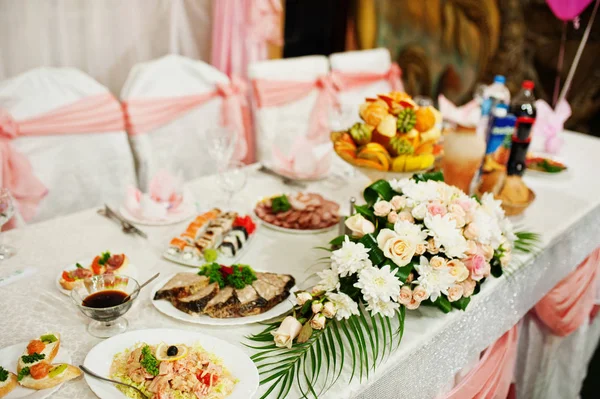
[(106, 321)]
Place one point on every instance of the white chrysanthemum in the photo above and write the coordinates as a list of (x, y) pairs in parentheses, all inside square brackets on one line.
[(330, 280), (421, 191), (387, 309), (410, 230), (448, 193), (378, 284), (445, 234), (344, 305), (350, 258), (398, 185), (492, 206), (507, 230), (434, 281), (488, 228)]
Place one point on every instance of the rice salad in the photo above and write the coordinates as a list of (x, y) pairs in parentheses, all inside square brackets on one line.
[(172, 372)]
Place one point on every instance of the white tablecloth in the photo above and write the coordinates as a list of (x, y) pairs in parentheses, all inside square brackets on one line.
[(434, 347)]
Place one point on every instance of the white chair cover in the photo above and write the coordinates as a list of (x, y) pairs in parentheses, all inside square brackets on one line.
[(180, 145), (375, 61), (79, 170), (282, 124)]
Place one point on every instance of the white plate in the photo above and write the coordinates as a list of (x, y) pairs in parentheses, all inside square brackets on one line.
[(234, 359), (185, 212), (167, 308), (8, 359), (131, 272), (222, 259), (298, 231)]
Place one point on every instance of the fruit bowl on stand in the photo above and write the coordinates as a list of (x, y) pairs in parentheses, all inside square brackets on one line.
[(396, 139)]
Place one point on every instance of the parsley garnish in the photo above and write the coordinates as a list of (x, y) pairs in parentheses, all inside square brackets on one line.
[(242, 276), (213, 272), (104, 258), (34, 357), (78, 265), (23, 373), (280, 204), (148, 361), (3, 374)]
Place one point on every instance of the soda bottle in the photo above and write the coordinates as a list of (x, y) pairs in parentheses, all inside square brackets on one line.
[(494, 94), (523, 108)]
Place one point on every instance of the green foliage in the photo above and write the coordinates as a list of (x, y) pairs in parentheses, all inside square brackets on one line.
[(316, 365), (3, 374), (149, 362), (280, 204), (34, 357), (379, 189), (527, 242), (435, 176), (23, 373), (242, 276), (213, 272)]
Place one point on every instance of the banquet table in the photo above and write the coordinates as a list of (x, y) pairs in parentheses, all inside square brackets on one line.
[(434, 347)]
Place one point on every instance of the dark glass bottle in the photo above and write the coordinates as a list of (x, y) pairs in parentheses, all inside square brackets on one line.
[(523, 108)]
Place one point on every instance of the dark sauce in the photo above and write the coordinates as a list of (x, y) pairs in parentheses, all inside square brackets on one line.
[(104, 299)]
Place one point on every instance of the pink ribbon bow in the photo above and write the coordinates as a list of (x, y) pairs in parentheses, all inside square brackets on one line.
[(465, 115), (549, 123), (272, 93), (146, 114), (349, 80)]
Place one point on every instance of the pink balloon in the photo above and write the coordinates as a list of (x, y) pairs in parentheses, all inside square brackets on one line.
[(567, 10)]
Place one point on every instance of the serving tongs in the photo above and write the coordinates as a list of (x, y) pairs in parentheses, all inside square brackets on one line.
[(286, 180), (127, 227)]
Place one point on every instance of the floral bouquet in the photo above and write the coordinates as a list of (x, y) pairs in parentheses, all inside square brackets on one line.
[(416, 242)]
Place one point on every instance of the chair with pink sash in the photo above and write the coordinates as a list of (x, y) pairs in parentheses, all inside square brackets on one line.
[(560, 335), (292, 100), (63, 146), (170, 105), (360, 74), (491, 376)]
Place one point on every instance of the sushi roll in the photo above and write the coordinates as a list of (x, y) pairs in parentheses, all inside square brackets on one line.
[(188, 237), (216, 230), (233, 240), (228, 249), (177, 244), (241, 232), (190, 253), (203, 244)]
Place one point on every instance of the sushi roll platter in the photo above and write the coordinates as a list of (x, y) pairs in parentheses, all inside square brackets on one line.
[(210, 236)]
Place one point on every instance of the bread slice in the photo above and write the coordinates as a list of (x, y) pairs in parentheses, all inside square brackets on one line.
[(69, 373), (51, 350), (67, 285), (8, 385)]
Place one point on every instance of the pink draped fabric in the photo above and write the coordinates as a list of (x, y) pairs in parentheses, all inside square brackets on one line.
[(272, 93), (146, 114), (492, 376), (241, 31), (568, 305), (99, 113), (351, 80)]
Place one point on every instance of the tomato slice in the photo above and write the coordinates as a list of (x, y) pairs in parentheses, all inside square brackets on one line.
[(206, 379), (35, 346), (97, 268), (40, 370), (67, 276)]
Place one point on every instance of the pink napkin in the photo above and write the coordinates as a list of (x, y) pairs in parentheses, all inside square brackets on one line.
[(306, 159), (465, 115), (548, 124), (163, 198)]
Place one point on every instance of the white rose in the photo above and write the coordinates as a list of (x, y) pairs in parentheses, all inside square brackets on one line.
[(419, 211), (286, 333), (488, 252), (316, 307), (437, 262), (432, 248), (420, 294), (406, 216), (397, 248), (458, 219), (458, 270), (392, 217), (329, 310), (455, 293), (471, 232), (359, 225), (414, 304), (302, 297), (405, 295), (457, 210), (471, 247), (398, 202), (382, 208), (421, 248), (318, 322)]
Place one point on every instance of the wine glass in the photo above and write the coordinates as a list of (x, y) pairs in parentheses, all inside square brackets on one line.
[(232, 179), (7, 210), (221, 144)]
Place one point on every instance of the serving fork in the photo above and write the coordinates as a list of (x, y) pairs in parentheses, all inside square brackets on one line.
[(127, 227), (91, 373)]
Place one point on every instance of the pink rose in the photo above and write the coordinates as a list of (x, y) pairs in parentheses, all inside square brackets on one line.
[(471, 232), (468, 287), (392, 217), (398, 202), (382, 208), (435, 208), (420, 294), (465, 204), (455, 292), (405, 295), (478, 267), (406, 216)]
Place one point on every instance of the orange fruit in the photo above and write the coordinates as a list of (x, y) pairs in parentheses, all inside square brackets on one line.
[(425, 119)]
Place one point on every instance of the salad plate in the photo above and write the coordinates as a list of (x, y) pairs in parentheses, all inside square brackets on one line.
[(8, 359), (100, 359), (167, 308)]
